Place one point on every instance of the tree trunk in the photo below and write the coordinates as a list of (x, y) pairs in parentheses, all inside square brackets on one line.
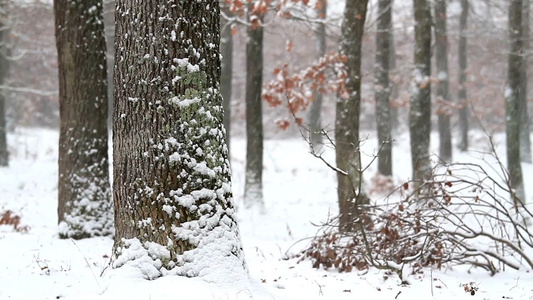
[(382, 87), (525, 143), (226, 49), (393, 84), (84, 208), (443, 99), (253, 189), (461, 95), (347, 149), (315, 121), (512, 103), (4, 69), (420, 106), (172, 186)]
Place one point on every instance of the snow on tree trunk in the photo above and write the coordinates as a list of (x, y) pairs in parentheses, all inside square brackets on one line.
[(420, 105), (85, 208), (347, 115), (461, 94), (315, 121), (441, 43), (512, 101), (382, 87), (525, 143), (226, 50), (174, 211), (4, 69), (253, 187)]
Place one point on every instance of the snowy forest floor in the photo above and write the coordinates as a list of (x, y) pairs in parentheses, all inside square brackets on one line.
[(299, 191)]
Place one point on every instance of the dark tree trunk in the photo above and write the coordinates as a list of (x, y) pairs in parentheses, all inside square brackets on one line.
[(4, 69), (512, 103), (172, 181), (525, 143), (315, 121), (382, 87), (441, 43), (253, 189), (84, 208), (461, 95), (349, 185), (226, 49), (420, 106)]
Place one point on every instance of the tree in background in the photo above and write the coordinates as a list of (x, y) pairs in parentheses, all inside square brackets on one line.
[(525, 143), (443, 99), (315, 121), (253, 187), (512, 100), (382, 88), (172, 185), (461, 95), (4, 69), (347, 149), (84, 208), (420, 105), (226, 50)]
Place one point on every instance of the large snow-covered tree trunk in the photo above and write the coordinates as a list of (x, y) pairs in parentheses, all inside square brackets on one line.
[(84, 194), (347, 148), (226, 50), (315, 120), (174, 211), (441, 45), (382, 88), (461, 94), (253, 186), (525, 143), (420, 105), (4, 68), (512, 103)]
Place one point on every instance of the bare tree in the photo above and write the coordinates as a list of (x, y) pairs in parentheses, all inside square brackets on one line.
[(4, 69), (525, 143), (462, 53), (172, 182), (420, 105), (253, 189), (347, 115), (84, 208), (512, 100)]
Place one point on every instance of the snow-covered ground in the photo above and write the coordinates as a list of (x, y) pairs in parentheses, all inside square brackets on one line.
[(299, 191)]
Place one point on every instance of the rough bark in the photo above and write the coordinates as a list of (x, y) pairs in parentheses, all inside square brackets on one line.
[(84, 207), (315, 121), (525, 143), (347, 116), (172, 186), (420, 105), (441, 45), (226, 50), (461, 94), (512, 103), (4, 69), (253, 188), (382, 87)]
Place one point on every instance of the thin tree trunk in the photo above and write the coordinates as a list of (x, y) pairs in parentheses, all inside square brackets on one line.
[(172, 186), (4, 69), (84, 208), (315, 121), (393, 84), (347, 116), (382, 87), (441, 37), (512, 101), (253, 189), (226, 49), (525, 143), (461, 95), (420, 106)]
